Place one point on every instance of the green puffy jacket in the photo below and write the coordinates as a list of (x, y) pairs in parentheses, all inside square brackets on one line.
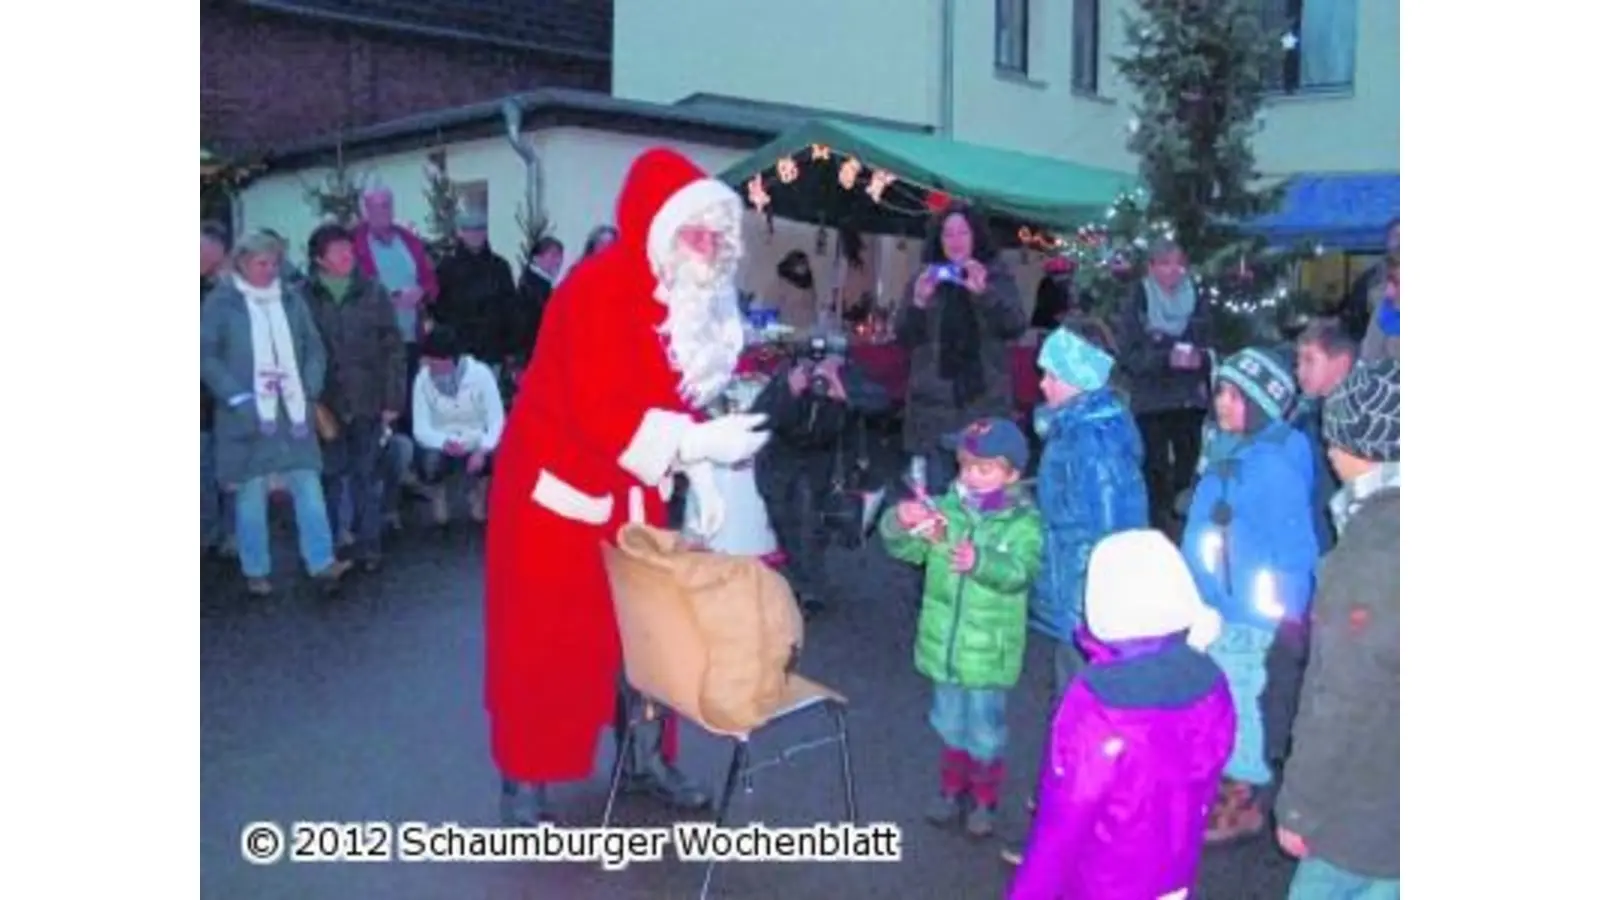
[(974, 627)]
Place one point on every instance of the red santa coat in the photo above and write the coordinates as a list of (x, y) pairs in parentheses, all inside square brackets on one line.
[(588, 447)]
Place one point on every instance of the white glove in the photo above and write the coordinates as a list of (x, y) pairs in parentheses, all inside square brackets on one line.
[(710, 510), (729, 440)]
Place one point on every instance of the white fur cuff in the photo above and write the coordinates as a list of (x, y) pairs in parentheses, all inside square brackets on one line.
[(649, 455)]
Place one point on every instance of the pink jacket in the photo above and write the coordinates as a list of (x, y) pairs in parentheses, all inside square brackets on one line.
[(1136, 755), (427, 278)]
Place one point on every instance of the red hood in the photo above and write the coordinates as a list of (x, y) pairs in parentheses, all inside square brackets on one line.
[(652, 180)]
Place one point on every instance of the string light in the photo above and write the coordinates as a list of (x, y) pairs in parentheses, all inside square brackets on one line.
[(788, 170)]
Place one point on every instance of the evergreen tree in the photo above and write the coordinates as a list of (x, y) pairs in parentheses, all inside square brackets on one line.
[(338, 198), (444, 206), (1198, 69)]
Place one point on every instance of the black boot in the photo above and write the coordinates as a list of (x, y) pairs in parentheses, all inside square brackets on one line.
[(645, 770), (523, 804)]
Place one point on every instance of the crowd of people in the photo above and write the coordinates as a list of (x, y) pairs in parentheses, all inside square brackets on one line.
[(1210, 544), (369, 377), (1243, 675)]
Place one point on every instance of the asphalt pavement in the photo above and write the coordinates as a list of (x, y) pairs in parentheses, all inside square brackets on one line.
[(368, 707)]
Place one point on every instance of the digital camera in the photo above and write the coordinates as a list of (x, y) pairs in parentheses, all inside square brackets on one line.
[(950, 273)]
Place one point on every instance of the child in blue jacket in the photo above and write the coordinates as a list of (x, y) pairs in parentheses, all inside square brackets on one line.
[(1251, 544), (1090, 483)]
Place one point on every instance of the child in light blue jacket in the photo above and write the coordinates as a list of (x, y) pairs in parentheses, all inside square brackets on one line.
[(1251, 543)]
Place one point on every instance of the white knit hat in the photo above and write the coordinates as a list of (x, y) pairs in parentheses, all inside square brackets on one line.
[(1139, 587)]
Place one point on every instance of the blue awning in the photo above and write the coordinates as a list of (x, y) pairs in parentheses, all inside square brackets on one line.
[(1342, 212)]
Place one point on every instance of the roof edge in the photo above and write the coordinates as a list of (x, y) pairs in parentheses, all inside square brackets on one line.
[(289, 9), (543, 108)]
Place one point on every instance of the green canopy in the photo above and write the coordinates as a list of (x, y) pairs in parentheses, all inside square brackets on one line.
[(1020, 188)]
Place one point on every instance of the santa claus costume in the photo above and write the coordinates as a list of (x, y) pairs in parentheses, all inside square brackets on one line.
[(634, 343)]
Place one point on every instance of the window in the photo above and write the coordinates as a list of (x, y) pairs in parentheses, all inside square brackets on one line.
[(1011, 36), (1086, 46), (1323, 55), (473, 196)]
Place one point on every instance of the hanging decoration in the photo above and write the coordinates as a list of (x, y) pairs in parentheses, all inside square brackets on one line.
[(878, 183), (820, 153), (788, 171), (849, 171), (756, 191), (937, 202)]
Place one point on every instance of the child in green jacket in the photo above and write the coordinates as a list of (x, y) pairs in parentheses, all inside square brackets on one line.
[(981, 543)]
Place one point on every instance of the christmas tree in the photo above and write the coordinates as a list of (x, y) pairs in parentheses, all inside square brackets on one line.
[(444, 205), (1198, 69), (338, 198)]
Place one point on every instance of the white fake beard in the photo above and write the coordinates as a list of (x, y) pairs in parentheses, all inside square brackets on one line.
[(704, 329)]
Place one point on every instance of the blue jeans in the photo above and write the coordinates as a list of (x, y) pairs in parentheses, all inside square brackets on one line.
[(970, 719), (356, 457), (1318, 879), (1241, 653), (310, 518)]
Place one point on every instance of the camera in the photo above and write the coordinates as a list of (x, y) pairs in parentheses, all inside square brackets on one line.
[(816, 352), (951, 273)]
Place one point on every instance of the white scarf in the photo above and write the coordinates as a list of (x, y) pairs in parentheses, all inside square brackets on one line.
[(277, 371)]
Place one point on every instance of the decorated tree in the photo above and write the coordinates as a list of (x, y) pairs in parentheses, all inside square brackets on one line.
[(337, 198), (1198, 69), (444, 206)]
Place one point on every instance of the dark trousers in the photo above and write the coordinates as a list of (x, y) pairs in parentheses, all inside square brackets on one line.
[(434, 466), (1171, 451), (795, 508), (413, 364), (1280, 702), (357, 457)]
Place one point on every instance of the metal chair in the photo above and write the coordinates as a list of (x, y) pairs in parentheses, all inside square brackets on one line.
[(802, 695), (665, 656)]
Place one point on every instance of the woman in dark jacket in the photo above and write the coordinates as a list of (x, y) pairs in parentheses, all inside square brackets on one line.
[(962, 312), (1163, 333), (365, 388)]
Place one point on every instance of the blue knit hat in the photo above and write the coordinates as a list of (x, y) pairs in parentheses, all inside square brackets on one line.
[(1264, 380), (1074, 360)]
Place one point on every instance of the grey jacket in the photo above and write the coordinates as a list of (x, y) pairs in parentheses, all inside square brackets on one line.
[(227, 367), (1341, 786), (931, 410)]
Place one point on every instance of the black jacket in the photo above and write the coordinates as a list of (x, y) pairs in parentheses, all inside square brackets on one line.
[(522, 323), (366, 356), (476, 296)]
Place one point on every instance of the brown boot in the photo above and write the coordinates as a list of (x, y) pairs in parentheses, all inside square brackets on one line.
[(1236, 814), (329, 577)]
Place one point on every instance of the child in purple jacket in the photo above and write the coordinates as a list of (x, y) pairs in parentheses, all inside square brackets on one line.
[(1140, 738)]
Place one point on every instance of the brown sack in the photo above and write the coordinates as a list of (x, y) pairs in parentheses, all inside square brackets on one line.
[(327, 423), (711, 635)]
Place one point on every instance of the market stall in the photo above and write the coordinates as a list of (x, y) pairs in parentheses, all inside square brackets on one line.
[(886, 183)]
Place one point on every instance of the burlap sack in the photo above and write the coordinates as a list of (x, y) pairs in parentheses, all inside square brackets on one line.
[(713, 636)]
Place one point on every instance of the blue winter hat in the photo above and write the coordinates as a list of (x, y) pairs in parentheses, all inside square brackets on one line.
[(992, 438), (1074, 360), (1262, 378)]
